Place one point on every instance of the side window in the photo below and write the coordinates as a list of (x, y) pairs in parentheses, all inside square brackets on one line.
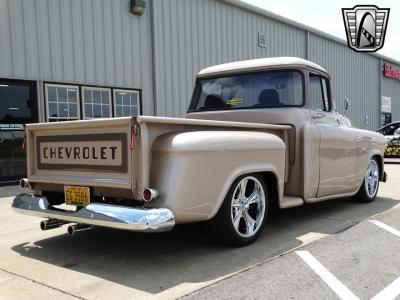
[(319, 93), (325, 92)]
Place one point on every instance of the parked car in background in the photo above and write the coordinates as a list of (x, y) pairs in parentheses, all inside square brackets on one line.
[(392, 133)]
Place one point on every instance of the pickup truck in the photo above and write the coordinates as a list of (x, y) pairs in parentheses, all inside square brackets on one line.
[(257, 133)]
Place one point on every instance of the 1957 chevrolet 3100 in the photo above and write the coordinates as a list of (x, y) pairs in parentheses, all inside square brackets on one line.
[(257, 132)]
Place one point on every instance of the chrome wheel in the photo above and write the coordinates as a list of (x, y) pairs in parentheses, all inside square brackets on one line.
[(372, 179), (248, 206)]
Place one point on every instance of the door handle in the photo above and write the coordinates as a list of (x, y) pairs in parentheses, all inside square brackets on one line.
[(318, 115), (363, 138)]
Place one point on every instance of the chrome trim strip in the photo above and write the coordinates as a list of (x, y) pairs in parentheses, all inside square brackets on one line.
[(119, 217)]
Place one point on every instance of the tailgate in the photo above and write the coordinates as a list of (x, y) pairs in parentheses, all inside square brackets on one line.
[(94, 153)]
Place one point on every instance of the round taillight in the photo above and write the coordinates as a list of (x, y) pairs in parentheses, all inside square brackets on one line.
[(149, 194)]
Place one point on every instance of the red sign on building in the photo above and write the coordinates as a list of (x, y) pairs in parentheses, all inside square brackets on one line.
[(389, 71)]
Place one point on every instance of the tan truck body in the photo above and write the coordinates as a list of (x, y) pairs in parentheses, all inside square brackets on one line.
[(303, 154)]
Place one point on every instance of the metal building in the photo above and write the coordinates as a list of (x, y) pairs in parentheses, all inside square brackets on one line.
[(80, 59)]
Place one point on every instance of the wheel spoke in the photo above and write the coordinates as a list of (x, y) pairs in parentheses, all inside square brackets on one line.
[(250, 222), (254, 198), (235, 203), (243, 185), (237, 218)]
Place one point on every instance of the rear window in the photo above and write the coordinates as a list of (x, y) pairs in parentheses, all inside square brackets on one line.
[(255, 90)]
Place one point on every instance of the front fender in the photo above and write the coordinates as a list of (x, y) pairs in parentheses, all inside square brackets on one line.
[(377, 149), (193, 171), (370, 144)]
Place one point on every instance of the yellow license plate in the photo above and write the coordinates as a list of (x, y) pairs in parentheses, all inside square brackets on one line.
[(77, 195)]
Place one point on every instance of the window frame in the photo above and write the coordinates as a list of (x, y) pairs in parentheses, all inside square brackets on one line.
[(116, 90), (66, 86), (91, 88), (197, 88), (328, 92)]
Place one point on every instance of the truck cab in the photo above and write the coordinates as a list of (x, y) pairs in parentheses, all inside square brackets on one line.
[(326, 152)]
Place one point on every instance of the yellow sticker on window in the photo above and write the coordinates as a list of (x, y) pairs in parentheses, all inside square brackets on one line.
[(235, 101)]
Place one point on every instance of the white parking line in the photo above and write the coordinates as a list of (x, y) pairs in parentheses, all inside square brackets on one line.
[(386, 227), (339, 288), (390, 292)]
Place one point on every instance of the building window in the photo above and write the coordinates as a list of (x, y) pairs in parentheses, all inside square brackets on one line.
[(126, 103), (62, 102), (96, 102)]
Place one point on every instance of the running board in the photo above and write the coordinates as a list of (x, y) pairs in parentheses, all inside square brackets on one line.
[(290, 201)]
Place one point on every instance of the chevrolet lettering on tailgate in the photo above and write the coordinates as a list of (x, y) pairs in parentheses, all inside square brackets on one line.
[(82, 152), (88, 151)]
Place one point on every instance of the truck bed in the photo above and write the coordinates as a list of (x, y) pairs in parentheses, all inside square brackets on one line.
[(112, 156)]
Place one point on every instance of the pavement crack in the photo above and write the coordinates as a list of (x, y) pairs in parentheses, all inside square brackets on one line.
[(42, 284), (351, 225)]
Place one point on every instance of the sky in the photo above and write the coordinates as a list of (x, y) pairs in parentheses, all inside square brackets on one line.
[(326, 15)]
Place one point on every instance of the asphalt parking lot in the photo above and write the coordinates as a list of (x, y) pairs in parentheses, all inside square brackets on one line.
[(330, 250)]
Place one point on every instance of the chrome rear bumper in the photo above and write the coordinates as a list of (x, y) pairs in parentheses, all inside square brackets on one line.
[(119, 217)]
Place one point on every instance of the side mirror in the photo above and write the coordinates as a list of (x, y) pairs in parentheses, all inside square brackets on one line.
[(346, 104)]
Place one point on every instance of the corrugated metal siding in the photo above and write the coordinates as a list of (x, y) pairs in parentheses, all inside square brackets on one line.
[(355, 76), (100, 42), (391, 88), (82, 41), (192, 34)]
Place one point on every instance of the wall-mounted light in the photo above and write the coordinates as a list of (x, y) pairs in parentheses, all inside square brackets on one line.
[(138, 6)]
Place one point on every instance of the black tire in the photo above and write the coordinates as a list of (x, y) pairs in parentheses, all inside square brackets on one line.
[(224, 220), (363, 195)]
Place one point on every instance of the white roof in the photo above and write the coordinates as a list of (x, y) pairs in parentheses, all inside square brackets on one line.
[(256, 64)]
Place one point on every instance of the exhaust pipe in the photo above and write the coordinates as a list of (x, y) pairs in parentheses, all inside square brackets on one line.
[(72, 229), (51, 224), (24, 183)]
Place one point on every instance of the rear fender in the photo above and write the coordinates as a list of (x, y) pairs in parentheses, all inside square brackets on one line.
[(193, 171)]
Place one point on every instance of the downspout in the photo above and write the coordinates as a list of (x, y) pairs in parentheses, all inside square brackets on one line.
[(380, 92), (307, 45), (153, 57)]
